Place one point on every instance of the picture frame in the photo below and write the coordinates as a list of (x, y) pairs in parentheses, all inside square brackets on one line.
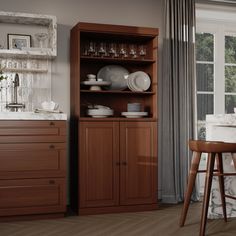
[(18, 41)]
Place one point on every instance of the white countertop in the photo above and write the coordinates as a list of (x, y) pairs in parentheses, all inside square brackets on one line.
[(32, 116), (222, 119)]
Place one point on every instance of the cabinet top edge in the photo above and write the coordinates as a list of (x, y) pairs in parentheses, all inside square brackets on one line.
[(117, 29)]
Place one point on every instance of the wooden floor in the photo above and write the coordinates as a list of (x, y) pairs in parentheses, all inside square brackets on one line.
[(163, 222)]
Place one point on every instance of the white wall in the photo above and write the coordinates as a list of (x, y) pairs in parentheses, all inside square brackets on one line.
[(146, 13)]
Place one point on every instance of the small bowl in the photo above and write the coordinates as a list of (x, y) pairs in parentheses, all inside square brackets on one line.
[(91, 77)]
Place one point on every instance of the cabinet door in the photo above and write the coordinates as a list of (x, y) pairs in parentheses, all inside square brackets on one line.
[(99, 164), (138, 170), (32, 196)]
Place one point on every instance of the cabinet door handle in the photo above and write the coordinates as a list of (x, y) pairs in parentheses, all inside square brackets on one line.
[(124, 163), (51, 123), (52, 146), (118, 163), (51, 181)]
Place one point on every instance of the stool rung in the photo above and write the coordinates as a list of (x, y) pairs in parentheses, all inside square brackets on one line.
[(204, 171), (229, 196), (224, 174)]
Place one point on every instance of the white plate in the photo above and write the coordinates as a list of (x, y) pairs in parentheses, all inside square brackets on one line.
[(134, 114), (139, 81), (100, 112), (115, 74), (98, 83)]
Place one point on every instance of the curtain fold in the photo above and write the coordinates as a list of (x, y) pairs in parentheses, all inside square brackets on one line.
[(177, 98)]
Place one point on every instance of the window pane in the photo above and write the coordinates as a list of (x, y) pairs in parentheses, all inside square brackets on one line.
[(205, 77), (204, 105), (230, 78), (230, 49), (230, 103), (204, 47)]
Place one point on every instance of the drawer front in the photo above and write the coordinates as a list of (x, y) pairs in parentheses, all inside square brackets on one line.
[(32, 196), (32, 131), (32, 160)]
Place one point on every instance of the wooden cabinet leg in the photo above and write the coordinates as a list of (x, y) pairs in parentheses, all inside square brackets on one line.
[(191, 182)]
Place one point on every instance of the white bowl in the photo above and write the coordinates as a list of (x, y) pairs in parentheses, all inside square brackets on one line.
[(91, 77), (49, 105), (99, 113), (235, 110)]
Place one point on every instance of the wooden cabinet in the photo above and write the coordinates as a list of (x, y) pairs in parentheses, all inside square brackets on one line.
[(33, 169), (117, 165), (117, 156)]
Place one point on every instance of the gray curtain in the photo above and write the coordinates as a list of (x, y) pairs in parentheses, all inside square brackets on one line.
[(177, 98)]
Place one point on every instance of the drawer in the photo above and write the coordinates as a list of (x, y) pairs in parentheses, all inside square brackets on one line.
[(32, 131), (32, 160), (32, 196)]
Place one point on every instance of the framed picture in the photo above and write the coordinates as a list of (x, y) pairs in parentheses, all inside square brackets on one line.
[(18, 41)]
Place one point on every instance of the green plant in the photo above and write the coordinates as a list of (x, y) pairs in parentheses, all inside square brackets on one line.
[(2, 76)]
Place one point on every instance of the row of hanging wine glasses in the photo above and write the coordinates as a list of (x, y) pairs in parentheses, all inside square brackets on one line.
[(114, 50)]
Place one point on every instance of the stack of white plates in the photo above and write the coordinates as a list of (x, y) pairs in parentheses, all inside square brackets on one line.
[(138, 81), (137, 114), (100, 113)]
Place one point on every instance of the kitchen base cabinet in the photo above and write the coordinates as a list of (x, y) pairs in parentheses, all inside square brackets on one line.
[(33, 168), (117, 167)]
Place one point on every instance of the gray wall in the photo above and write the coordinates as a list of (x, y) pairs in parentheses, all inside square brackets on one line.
[(69, 12)]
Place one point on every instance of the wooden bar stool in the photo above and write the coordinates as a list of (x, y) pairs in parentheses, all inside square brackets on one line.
[(214, 151)]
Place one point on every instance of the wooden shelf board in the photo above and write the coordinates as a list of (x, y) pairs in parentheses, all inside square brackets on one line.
[(117, 119), (114, 60), (115, 92)]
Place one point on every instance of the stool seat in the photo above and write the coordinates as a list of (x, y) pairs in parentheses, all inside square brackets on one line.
[(211, 146), (214, 149)]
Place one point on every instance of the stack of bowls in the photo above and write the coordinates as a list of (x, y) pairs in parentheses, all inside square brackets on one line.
[(133, 107)]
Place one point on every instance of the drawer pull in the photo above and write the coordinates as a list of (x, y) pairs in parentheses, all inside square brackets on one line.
[(51, 181), (117, 163), (52, 123), (52, 146)]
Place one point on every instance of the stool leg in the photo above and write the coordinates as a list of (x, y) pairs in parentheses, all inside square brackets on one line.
[(207, 191), (221, 183), (191, 181)]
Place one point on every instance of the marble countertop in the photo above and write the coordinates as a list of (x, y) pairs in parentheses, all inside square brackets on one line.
[(32, 116), (222, 119)]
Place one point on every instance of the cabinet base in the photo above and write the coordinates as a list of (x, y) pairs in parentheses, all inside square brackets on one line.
[(117, 209), (31, 217)]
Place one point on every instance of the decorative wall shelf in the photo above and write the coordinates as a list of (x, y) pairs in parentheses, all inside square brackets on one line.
[(49, 22)]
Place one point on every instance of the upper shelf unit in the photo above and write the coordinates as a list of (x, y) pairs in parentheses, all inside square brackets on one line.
[(29, 24)]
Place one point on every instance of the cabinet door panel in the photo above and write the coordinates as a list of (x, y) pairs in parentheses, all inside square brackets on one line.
[(32, 196), (98, 165), (138, 143)]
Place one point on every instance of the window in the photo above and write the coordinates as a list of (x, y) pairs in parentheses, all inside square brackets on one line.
[(215, 67)]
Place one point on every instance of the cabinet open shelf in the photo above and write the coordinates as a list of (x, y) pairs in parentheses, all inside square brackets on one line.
[(117, 60), (117, 119), (116, 92)]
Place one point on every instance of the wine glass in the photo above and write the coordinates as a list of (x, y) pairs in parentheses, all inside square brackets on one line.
[(123, 50), (102, 49), (91, 48), (41, 37), (132, 50), (142, 51)]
